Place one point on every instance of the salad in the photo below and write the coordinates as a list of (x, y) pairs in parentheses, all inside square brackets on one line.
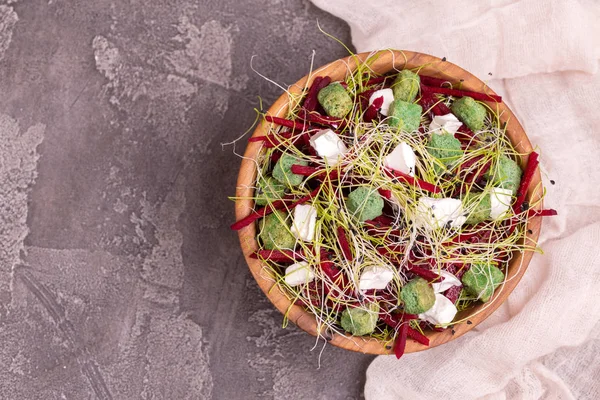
[(387, 204)]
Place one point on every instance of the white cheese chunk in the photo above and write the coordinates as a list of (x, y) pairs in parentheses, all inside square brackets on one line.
[(437, 213), (449, 281), (388, 97), (329, 146), (298, 274), (304, 221), (500, 200), (445, 123), (402, 159), (375, 277), (442, 312)]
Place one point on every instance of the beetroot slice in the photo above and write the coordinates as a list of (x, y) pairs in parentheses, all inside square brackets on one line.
[(323, 120), (462, 93), (303, 170), (279, 255), (542, 213), (311, 102), (264, 138), (261, 212), (343, 240), (430, 187), (424, 273), (431, 81), (532, 164), (276, 205), (385, 193), (417, 336), (453, 293), (285, 122), (400, 344), (376, 81)]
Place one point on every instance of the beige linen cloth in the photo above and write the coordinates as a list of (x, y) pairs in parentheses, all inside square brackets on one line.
[(544, 342)]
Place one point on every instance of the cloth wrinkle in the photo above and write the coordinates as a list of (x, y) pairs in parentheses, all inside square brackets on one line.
[(543, 55)]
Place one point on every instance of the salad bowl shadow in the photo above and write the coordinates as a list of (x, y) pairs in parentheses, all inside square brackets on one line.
[(386, 61)]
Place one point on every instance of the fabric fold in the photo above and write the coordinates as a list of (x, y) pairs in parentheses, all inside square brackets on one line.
[(543, 56)]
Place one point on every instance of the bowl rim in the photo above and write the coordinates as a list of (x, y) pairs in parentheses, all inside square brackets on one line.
[(384, 61)]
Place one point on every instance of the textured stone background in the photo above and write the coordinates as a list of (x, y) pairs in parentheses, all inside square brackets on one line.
[(119, 277)]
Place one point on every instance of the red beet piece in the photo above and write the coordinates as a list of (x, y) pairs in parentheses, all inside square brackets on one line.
[(417, 336), (303, 170), (376, 81), (532, 164), (453, 293), (473, 177), (279, 255), (311, 102), (424, 273), (324, 120), (431, 81), (344, 245), (276, 156), (461, 93), (285, 122), (414, 181), (364, 97), (261, 212), (542, 213), (385, 193), (276, 205), (400, 344)]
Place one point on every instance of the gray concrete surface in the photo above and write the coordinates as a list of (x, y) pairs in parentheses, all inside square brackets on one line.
[(119, 277)]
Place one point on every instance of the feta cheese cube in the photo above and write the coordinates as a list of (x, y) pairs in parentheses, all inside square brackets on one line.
[(445, 123), (434, 213), (298, 274), (500, 200), (329, 146), (304, 221), (449, 281), (402, 159), (375, 277), (388, 97), (442, 312)]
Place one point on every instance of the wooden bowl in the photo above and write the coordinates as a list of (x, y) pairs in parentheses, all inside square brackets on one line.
[(387, 61)]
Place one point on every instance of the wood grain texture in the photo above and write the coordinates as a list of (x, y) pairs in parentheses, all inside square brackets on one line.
[(386, 61)]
